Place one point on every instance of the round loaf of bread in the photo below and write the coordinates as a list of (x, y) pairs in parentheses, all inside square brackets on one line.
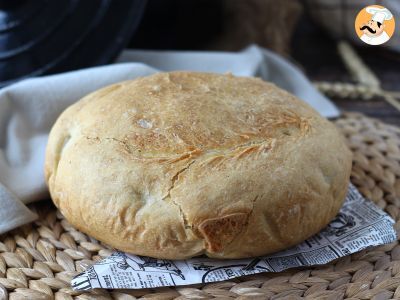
[(180, 164)]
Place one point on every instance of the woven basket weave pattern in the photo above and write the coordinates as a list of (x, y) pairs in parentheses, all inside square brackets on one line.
[(38, 260)]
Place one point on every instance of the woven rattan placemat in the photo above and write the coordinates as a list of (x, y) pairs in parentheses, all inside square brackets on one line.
[(37, 261)]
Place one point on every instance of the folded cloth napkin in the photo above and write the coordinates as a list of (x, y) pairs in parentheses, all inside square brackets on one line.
[(29, 108)]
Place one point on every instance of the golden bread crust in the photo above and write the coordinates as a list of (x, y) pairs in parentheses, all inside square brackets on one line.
[(179, 164)]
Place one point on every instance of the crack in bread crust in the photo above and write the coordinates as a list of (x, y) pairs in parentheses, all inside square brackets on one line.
[(214, 240), (221, 231), (175, 178), (251, 146)]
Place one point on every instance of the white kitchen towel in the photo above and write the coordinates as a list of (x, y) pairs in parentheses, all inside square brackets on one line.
[(30, 107)]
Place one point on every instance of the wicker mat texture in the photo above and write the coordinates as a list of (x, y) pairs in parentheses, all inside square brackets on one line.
[(38, 260)]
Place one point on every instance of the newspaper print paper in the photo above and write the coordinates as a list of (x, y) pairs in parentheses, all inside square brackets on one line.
[(359, 224)]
